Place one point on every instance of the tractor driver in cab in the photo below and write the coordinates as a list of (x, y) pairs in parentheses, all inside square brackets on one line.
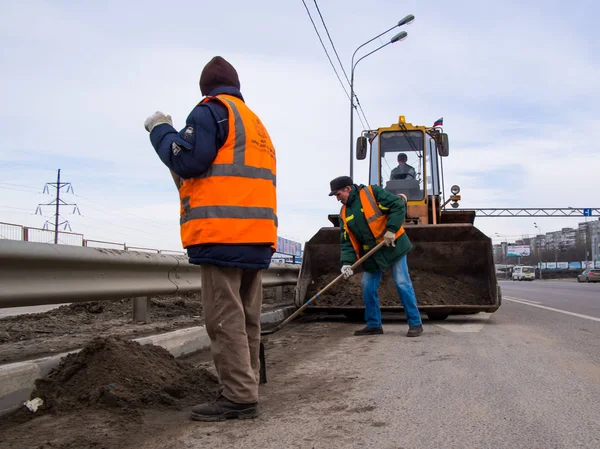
[(403, 170)]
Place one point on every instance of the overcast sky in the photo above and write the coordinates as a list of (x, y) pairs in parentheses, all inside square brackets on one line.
[(516, 83)]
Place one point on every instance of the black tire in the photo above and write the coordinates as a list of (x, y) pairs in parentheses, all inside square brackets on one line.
[(437, 316)]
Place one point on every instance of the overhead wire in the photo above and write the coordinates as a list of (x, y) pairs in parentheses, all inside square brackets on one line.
[(15, 208), (329, 57), (19, 190), (150, 234), (342, 66), (100, 207), (325, 49), (20, 185), (24, 213), (331, 41), (114, 231)]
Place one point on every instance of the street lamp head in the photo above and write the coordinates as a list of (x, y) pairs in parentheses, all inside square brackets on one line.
[(399, 37), (408, 19)]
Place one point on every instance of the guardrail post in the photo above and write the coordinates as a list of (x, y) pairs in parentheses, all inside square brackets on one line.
[(141, 309)]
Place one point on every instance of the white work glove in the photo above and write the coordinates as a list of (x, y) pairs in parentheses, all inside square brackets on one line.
[(158, 118), (347, 271), (389, 238)]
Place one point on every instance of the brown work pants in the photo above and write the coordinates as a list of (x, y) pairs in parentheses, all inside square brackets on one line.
[(232, 299)]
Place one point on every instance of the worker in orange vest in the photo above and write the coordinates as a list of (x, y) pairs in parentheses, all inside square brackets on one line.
[(371, 215), (224, 164)]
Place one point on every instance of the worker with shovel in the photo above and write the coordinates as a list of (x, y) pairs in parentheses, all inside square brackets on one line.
[(371, 215), (223, 163)]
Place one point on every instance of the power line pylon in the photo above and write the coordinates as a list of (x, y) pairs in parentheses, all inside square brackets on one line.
[(58, 202)]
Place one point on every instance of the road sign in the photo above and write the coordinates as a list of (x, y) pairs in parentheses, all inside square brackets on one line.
[(587, 212)]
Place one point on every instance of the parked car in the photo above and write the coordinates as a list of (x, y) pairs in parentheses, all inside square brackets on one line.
[(523, 273), (589, 275)]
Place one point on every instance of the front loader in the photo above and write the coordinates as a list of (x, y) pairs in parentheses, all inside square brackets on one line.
[(451, 262)]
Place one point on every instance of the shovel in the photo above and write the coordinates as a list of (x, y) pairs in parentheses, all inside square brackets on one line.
[(263, 366), (308, 303)]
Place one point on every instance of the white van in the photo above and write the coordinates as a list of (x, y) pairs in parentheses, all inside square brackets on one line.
[(523, 273)]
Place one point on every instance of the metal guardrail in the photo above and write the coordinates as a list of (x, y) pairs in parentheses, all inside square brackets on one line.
[(17, 232), (38, 274)]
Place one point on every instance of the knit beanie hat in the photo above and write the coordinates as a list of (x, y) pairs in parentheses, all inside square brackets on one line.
[(217, 73)]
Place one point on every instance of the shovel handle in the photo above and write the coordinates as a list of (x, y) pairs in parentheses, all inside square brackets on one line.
[(357, 264), (372, 251)]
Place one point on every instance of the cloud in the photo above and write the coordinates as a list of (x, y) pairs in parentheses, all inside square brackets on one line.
[(519, 101)]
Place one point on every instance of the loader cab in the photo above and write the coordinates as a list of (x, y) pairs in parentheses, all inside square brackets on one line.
[(420, 182)]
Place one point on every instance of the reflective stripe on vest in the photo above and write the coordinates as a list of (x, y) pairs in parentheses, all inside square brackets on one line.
[(234, 201), (238, 168), (229, 212), (376, 220)]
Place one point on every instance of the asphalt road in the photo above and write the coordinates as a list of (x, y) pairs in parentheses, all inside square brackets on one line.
[(524, 377), (12, 311), (565, 295)]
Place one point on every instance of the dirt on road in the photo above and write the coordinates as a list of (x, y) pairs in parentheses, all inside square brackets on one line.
[(116, 394), (100, 396), (72, 326)]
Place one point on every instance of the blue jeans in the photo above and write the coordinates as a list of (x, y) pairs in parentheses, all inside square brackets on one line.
[(370, 285)]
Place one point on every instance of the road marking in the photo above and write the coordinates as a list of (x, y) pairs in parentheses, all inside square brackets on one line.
[(578, 315), (476, 324), (520, 299)]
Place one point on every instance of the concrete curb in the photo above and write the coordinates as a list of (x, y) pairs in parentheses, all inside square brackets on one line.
[(17, 379)]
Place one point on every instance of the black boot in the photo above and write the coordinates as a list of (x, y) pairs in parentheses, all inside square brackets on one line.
[(369, 331), (223, 409), (414, 331)]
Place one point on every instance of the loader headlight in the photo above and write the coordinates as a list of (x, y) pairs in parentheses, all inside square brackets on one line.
[(455, 205), (455, 189)]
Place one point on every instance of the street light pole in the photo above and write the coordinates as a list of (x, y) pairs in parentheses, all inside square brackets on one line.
[(408, 19), (539, 257), (504, 256), (586, 244)]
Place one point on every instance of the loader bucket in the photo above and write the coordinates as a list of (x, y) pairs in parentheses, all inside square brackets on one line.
[(451, 267)]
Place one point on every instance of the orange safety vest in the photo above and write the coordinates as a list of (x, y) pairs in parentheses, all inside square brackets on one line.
[(376, 220), (234, 201)]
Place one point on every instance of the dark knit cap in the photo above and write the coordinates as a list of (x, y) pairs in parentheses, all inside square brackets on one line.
[(218, 73)]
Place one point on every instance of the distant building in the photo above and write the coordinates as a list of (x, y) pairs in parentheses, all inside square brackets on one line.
[(596, 247), (567, 241), (586, 234)]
